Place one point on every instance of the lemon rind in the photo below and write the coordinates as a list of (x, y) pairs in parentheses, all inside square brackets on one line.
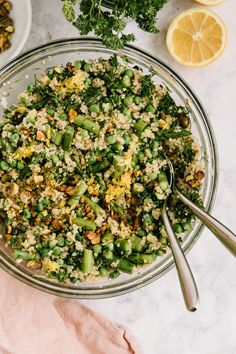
[(173, 26), (208, 3)]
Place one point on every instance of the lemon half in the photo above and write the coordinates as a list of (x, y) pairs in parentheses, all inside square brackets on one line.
[(196, 37), (210, 2)]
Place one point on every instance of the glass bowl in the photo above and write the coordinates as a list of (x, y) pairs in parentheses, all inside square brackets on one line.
[(14, 78), (108, 3)]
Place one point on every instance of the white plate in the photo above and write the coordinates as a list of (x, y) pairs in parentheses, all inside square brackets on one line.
[(21, 14)]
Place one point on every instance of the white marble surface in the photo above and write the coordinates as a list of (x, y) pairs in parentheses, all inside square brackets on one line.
[(156, 314)]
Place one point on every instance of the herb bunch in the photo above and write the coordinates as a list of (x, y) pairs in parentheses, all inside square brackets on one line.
[(110, 25)]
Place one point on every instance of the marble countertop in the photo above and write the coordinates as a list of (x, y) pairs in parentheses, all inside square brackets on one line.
[(156, 313)]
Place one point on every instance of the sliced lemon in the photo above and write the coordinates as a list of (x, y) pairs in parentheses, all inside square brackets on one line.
[(196, 37), (210, 2)]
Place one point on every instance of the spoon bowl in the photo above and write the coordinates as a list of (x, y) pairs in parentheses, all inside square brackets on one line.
[(224, 235)]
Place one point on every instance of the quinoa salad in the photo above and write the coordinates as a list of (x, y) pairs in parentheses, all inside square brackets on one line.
[(83, 174)]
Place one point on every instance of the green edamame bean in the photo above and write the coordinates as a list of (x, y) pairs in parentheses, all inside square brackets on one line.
[(61, 241), (88, 82), (129, 72), (13, 164), (44, 251), (38, 246), (155, 144), (77, 64), (125, 246), (177, 228), (141, 233), (14, 138), (27, 213), (50, 111), (127, 112), (103, 272), (126, 266), (108, 255), (187, 226), (60, 261), (94, 108), (20, 165), (4, 165), (128, 101), (52, 243), (31, 88), (140, 125), (137, 100), (111, 139), (87, 67), (57, 139), (147, 219), (163, 181), (164, 240), (84, 134), (56, 251), (114, 274), (107, 237), (117, 147), (126, 82), (127, 139), (110, 156), (55, 159), (63, 116), (140, 156), (68, 241), (138, 188), (40, 206), (138, 244), (150, 108), (46, 201), (22, 228), (97, 249), (159, 252)]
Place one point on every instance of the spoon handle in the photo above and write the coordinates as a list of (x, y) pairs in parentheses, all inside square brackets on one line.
[(187, 282), (222, 233)]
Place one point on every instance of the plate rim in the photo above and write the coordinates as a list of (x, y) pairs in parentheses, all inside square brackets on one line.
[(25, 36)]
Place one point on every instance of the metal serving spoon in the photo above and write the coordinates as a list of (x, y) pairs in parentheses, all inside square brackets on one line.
[(224, 235), (186, 279)]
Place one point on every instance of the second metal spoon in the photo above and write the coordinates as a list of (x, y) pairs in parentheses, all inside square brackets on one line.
[(224, 235), (186, 279)]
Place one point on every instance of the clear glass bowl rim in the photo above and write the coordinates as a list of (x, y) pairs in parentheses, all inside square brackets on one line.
[(95, 293), (108, 4)]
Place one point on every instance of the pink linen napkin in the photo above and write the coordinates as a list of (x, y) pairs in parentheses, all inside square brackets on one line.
[(32, 322)]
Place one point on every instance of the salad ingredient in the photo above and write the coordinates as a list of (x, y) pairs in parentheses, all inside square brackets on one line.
[(83, 173), (110, 26), (196, 37), (6, 25), (210, 2)]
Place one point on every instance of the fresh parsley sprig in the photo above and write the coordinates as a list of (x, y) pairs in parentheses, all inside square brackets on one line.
[(110, 25)]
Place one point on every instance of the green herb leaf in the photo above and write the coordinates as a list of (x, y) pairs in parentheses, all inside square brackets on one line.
[(110, 26), (68, 9)]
